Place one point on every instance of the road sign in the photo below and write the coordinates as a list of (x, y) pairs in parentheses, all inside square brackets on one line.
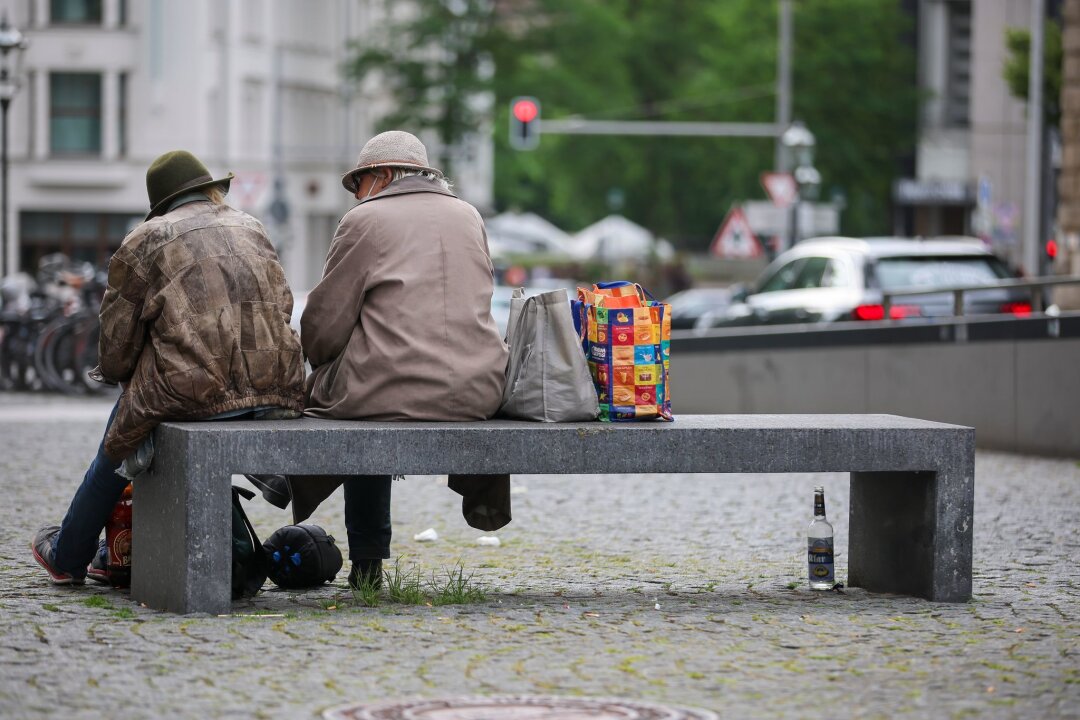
[(814, 218), (246, 189), (735, 239), (780, 187)]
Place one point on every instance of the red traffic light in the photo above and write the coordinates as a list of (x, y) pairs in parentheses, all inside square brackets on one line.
[(1051, 248), (525, 110)]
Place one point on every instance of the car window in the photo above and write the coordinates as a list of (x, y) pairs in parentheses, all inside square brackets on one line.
[(811, 273), (837, 274), (783, 278), (900, 272)]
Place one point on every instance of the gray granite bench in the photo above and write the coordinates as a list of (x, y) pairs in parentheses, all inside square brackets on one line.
[(911, 507)]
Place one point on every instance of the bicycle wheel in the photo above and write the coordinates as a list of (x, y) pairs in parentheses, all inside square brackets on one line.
[(22, 371), (86, 355), (6, 383), (49, 355)]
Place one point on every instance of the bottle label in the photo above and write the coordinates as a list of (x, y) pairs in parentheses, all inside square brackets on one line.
[(819, 556), (120, 554)]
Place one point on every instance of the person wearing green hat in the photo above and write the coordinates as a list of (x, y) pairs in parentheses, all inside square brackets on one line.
[(194, 326)]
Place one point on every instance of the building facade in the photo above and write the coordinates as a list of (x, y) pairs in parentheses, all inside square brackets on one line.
[(1068, 261), (971, 156), (253, 87)]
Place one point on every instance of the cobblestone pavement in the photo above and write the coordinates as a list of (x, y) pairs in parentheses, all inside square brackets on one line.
[(687, 590)]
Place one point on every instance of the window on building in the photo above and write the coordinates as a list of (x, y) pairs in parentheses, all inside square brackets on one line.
[(75, 113), (122, 114), (82, 236), (958, 59), (75, 12)]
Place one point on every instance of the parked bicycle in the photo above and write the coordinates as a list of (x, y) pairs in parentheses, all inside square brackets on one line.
[(49, 328)]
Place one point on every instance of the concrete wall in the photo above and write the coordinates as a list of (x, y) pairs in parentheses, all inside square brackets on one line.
[(1021, 395)]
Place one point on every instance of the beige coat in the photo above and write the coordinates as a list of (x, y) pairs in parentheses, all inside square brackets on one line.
[(400, 326)]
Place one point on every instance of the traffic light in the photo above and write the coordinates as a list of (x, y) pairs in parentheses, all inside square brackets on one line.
[(524, 123), (1050, 253)]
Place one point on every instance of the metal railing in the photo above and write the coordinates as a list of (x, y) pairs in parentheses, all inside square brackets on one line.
[(1035, 286)]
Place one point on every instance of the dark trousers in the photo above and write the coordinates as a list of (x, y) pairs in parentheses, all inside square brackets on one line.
[(367, 516), (89, 511)]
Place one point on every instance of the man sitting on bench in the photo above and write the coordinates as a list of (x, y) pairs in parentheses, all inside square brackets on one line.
[(399, 328), (194, 326)]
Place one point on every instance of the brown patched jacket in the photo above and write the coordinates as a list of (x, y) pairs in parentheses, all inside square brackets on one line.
[(195, 322)]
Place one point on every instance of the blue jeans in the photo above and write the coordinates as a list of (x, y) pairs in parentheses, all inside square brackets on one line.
[(89, 511), (367, 516), (101, 488), (367, 513)]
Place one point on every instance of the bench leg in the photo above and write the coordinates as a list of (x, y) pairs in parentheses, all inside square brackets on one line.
[(182, 537), (911, 533)]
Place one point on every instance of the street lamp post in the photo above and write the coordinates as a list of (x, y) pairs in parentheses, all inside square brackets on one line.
[(800, 143), (12, 43)]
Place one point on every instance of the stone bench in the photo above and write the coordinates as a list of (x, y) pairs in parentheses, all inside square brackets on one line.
[(911, 505)]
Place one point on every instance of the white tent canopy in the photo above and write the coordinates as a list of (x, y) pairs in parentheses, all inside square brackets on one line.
[(616, 238), (512, 233)]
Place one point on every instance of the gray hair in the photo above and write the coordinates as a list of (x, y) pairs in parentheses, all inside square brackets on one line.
[(396, 173)]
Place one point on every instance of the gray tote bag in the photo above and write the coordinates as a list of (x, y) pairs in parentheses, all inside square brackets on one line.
[(547, 378)]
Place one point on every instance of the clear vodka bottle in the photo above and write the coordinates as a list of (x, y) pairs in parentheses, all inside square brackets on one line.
[(819, 546)]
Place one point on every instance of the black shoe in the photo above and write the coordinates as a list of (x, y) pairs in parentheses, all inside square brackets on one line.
[(275, 489), (98, 570), (366, 572)]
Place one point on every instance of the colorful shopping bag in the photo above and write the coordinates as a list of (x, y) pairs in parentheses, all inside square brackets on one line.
[(627, 339)]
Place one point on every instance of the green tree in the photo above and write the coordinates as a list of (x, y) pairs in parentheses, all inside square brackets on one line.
[(854, 86), (640, 60), (435, 60), (1015, 72)]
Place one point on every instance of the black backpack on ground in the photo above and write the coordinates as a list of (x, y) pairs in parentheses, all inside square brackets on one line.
[(301, 556), (248, 559)]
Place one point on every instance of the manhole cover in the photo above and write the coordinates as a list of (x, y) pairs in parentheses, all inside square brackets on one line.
[(515, 707)]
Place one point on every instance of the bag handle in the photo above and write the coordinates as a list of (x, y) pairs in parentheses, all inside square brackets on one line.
[(244, 492), (643, 295), (582, 322), (260, 564)]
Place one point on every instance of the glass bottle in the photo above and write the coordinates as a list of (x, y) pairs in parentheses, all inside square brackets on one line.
[(819, 546), (118, 541)]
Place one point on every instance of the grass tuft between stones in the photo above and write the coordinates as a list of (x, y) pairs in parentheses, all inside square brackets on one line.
[(97, 601), (408, 586)]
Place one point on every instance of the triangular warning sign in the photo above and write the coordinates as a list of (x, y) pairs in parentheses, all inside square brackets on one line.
[(735, 239)]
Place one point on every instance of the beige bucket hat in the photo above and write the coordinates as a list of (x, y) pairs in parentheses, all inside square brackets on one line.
[(394, 148)]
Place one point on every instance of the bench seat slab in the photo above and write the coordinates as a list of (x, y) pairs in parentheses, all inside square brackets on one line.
[(912, 482)]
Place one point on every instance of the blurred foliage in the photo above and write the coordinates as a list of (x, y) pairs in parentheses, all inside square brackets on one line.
[(1017, 63), (854, 85), (435, 62)]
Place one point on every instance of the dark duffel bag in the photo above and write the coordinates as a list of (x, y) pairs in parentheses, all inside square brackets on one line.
[(301, 556)]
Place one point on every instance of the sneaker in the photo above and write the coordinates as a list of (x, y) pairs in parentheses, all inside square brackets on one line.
[(98, 570), (366, 572), (42, 547), (275, 489)]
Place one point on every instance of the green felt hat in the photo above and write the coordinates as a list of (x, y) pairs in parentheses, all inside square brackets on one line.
[(175, 173)]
